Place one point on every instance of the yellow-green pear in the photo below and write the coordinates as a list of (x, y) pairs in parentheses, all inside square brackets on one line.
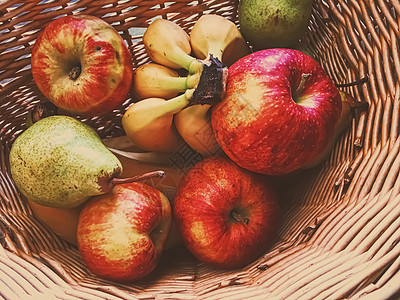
[(274, 23), (61, 162)]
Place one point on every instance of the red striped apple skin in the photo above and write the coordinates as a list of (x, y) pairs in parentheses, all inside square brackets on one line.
[(227, 216), (121, 235), (270, 120), (101, 56)]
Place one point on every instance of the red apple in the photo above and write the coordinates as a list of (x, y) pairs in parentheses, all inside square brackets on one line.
[(279, 112), (121, 235), (82, 65), (226, 215)]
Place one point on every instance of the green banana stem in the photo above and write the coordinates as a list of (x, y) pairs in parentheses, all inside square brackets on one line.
[(164, 108), (192, 80), (174, 105), (189, 63), (195, 66), (179, 84)]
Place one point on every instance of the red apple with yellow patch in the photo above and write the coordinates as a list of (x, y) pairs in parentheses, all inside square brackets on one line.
[(121, 235), (82, 65), (279, 113), (227, 216)]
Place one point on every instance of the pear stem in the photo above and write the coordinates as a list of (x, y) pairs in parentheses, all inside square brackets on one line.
[(354, 83), (145, 176)]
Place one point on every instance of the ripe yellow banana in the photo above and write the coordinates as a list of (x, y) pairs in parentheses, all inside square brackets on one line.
[(216, 35), (194, 125), (168, 44), (149, 122), (154, 80)]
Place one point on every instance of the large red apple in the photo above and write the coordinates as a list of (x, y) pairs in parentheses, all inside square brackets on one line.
[(121, 235), (227, 216), (82, 65), (279, 112)]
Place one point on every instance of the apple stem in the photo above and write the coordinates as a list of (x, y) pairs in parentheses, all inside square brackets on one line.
[(74, 73), (239, 218), (145, 176), (304, 78)]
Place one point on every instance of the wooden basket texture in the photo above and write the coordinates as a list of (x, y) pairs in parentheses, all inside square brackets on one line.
[(341, 225)]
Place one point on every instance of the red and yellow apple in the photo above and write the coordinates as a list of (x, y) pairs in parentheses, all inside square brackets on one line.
[(343, 124), (227, 216), (82, 65), (279, 112), (121, 235)]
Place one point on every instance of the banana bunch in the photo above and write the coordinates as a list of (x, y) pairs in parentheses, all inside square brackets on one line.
[(173, 87)]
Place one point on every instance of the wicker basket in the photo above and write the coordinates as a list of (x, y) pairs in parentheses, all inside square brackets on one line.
[(341, 227)]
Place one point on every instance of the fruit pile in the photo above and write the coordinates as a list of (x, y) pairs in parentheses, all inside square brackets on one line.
[(249, 108), (176, 106)]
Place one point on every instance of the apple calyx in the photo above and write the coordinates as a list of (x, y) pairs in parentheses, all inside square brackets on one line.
[(75, 72), (239, 218)]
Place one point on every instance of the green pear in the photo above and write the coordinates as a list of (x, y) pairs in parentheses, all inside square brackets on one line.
[(273, 23), (62, 162)]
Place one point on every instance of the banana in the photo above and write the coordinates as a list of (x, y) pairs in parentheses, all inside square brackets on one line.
[(194, 125), (149, 122), (216, 35), (153, 80), (168, 44)]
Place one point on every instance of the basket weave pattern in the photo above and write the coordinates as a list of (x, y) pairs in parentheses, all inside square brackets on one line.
[(341, 229)]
